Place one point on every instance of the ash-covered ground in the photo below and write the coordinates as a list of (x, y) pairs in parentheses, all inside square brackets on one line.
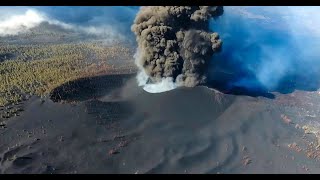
[(186, 130)]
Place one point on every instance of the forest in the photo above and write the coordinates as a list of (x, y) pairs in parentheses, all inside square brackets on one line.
[(27, 70)]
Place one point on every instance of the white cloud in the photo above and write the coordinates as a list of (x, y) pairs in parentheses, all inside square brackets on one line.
[(16, 24), (21, 21)]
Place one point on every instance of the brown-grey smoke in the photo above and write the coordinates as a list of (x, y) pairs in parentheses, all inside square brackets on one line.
[(175, 42)]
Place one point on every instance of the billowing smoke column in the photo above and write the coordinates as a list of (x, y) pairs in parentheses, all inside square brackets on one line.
[(174, 45)]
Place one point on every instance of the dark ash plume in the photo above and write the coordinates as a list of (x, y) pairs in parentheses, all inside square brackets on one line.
[(175, 42)]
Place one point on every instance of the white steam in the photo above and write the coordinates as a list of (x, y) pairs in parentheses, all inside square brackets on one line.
[(22, 22), (166, 84)]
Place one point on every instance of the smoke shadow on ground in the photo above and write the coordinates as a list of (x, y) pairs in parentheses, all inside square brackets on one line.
[(6, 56), (260, 56), (90, 88), (225, 83), (237, 80), (297, 81)]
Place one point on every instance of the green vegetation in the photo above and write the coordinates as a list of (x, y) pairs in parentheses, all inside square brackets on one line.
[(27, 70)]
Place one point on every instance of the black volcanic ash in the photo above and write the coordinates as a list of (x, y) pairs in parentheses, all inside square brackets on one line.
[(175, 42)]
